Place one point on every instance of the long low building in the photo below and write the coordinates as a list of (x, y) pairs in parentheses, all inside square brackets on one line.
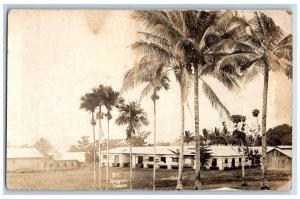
[(222, 157), (24, 159), (31, 160)]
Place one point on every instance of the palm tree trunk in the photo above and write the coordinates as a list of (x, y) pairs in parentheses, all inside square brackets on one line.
[(107, 150), (130, 165), (264, 184), (243, 167), (181, 157), (99, 148), (94, 148), (197, 134), (154, 140)]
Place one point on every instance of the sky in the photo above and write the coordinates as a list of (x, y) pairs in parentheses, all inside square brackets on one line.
[(56, 56)]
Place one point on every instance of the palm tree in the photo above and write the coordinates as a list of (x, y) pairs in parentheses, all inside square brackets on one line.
[(276, 54), (188, 137), (99, 93), (163, 53), (110, 99), (239, 138), (134, 117), (89, 103), (155, 80), (171, 37), (268, 49)]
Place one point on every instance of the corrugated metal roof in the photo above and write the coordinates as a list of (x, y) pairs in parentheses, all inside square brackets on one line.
[(217, 151), (80, 156), (286, 151), (284, 146), (160, 150), (23, 153)]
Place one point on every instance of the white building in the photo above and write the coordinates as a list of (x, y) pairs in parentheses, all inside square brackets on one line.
[(222, 157)]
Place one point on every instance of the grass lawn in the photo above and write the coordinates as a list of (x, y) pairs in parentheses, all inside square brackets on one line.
[(82, 179)]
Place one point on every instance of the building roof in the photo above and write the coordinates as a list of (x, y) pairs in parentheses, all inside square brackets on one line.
[(284, 146), (216, 151), (160, 150), (80, 156), (23, 153), (285, 151)]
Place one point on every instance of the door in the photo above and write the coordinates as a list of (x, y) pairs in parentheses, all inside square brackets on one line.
[(233, 163), (214, 162)]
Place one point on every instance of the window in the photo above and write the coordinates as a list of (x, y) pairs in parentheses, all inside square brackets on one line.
[(140, 159), (226, 160), (151, 159), (163, 159), (175, 159), (104, 156), (240, 159)]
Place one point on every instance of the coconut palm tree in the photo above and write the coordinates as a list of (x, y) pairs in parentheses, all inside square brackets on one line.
[(155, 80), (268, 50), (89, 103), (134, 117), (168, 40), (110, 99), (276, 54)]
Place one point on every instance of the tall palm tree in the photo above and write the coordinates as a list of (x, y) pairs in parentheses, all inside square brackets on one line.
[(155, 80), (168, 40), (132, 115), (268, 50), (110, 100), (99, 93), (89, 103), (276, 54)]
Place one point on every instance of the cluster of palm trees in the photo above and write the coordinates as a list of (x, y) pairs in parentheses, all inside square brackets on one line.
[(102, 96), (130, 114), (193, 44)]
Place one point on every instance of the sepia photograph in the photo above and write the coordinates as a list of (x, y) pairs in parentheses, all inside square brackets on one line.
[(153, 100)]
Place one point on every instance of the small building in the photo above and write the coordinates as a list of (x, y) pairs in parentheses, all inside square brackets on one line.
[(68, 161), (24, 160), (280, 158)]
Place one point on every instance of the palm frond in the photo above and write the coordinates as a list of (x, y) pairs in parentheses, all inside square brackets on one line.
[(265, 29), (251, 72), (185, 82), (284, 48), (159, 51), (214, 100), (279, 64), (155, 19), (153, 38)]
